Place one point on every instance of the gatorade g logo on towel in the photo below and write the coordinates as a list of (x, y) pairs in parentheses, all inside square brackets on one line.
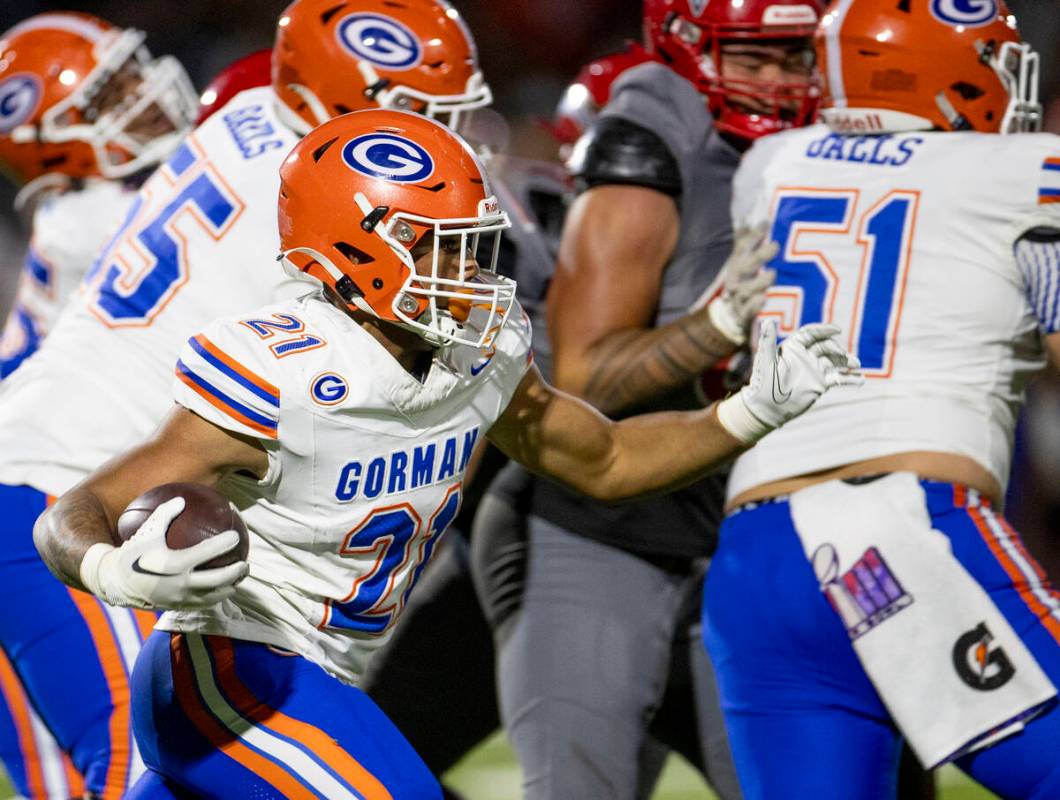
[(980, 663)]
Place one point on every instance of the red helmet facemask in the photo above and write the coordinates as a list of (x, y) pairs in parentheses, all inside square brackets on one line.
[(692, 36)]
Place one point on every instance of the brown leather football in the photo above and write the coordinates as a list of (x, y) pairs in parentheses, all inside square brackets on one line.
[(206, 513)]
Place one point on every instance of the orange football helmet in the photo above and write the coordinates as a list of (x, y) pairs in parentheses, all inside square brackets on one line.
[(360, 192), (922, 64), (81, 97), (416, 55)]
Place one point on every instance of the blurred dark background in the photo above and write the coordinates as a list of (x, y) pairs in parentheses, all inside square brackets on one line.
[(530, 50)]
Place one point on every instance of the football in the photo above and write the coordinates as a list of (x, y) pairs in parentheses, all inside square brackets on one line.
[(206, 513)]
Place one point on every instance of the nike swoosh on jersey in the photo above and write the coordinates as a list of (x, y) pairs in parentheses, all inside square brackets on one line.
[(476, 370)]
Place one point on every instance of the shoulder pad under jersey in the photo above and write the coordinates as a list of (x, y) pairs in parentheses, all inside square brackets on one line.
[(617, 151)]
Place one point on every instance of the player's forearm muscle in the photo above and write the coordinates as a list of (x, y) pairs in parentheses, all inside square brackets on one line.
[(630, 367), (604, 296), (186, 448), (563, 438), (80, 511)]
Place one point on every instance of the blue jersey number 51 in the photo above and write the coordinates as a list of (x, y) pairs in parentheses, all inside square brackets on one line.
[(810, 281)]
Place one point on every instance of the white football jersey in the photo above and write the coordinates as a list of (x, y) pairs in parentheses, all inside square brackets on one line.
[(365, 468), (906, 241), (69, 229), (200, 241)]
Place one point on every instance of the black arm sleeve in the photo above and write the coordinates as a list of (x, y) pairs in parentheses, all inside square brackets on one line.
[(615, 150)]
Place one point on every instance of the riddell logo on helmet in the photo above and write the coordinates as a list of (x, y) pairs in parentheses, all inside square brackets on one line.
[(19, 97), (849, 123), (388, 156), (789, 15), (381, 40)]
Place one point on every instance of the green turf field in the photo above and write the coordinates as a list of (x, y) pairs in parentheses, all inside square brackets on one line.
[(490, 773)]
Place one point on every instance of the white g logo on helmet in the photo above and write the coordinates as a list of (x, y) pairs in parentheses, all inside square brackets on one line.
[(388, 156), (970, 13), (19, 97), (381, 40)]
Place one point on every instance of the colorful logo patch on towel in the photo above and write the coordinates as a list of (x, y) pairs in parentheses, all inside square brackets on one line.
[(980, 662), (865, 595)]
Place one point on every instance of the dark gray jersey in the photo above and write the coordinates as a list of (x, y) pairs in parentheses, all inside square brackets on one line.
[(533, 193), (656, 99)]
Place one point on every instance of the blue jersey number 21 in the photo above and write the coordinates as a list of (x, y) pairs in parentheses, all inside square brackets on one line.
[(145, 263), (808, 280), (394, 539)]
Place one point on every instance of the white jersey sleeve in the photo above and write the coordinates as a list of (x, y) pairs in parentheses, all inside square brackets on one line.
[(218, 376), (1037, 246), (915, 245), (69, 229)]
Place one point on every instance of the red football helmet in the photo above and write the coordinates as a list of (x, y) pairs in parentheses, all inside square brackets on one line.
[(689, 36), (416, 55), (930, 64), (249, 72), (80, 97), (362, 192), (590, 91)]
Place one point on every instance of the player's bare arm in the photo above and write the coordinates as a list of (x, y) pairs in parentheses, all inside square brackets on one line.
[(604, 294), (185, 448), (564, 438)]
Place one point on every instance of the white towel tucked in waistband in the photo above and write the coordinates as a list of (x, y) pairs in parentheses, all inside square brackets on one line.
[(946, 663)]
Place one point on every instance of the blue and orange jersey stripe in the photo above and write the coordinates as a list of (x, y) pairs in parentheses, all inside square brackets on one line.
[(1049, 194), (228, 405), (227, 365)]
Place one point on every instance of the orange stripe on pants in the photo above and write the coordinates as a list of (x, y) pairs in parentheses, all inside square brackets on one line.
[(1019, 581), (18, 706), (145, 622), (113, 667), (320, 743), (74, 781), (219, 736)]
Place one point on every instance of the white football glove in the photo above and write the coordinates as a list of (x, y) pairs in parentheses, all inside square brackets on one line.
[(786, 381), (746, 282), (146, 573)]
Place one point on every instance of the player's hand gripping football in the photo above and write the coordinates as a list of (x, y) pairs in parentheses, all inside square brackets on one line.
[(787, 380), (146, 573), (745, 283)]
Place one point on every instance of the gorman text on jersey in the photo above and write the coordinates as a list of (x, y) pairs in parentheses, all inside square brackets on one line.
[(405, 470)]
